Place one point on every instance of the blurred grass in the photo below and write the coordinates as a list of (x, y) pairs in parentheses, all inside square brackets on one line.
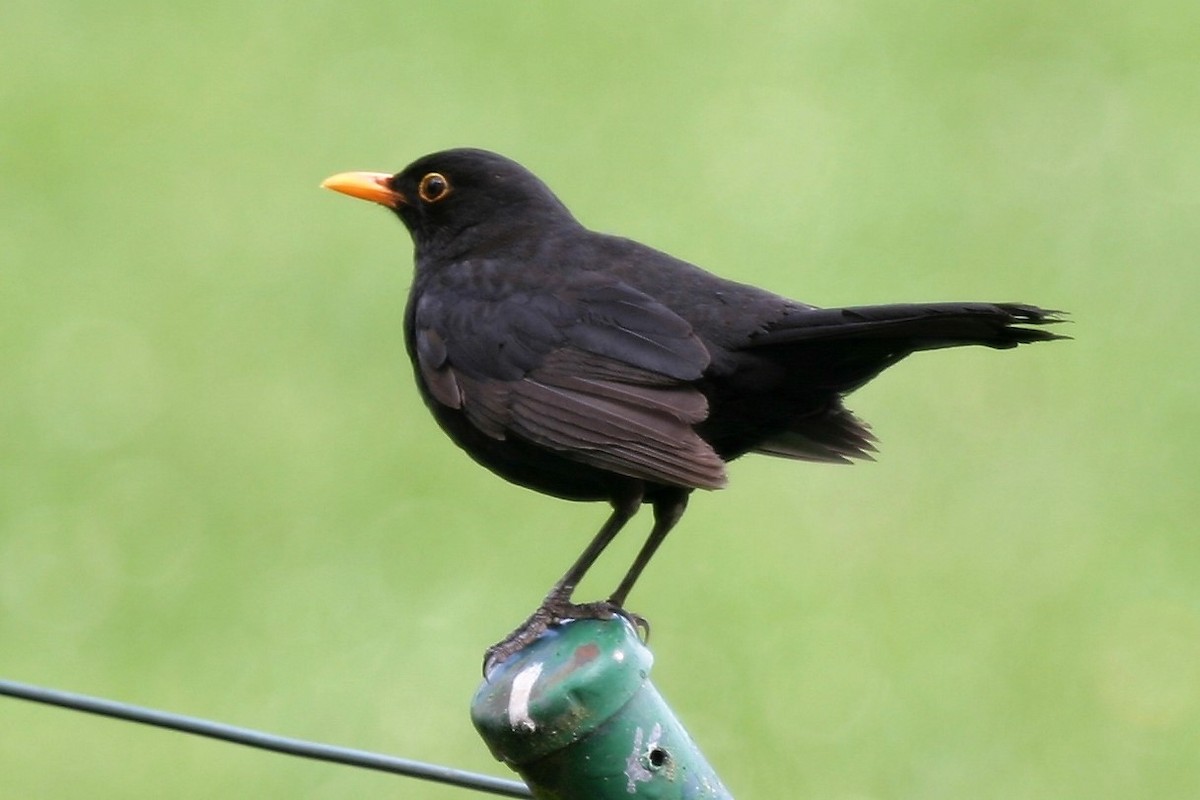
[(221, 495)]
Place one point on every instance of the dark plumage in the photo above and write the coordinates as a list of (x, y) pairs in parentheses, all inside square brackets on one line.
[(591, 367)]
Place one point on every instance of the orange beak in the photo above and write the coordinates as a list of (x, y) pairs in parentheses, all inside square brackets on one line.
[(371, 186)]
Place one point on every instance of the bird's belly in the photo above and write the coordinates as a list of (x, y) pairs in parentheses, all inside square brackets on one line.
[(527, 464)]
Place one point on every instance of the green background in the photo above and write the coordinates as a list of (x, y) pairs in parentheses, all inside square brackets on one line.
[(221, 495)]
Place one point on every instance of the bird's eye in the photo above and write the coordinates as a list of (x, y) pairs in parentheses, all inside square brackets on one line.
[(433, 187)]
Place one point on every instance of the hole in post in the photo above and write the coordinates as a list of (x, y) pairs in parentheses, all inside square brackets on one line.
[(657, 757)]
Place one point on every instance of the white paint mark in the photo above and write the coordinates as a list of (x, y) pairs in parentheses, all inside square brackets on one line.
[(518, 699), (635, 769)]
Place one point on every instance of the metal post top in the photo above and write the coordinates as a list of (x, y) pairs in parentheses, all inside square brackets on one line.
[(559, 689)]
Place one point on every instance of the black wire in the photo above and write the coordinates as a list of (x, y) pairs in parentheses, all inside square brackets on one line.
[(265, 741)]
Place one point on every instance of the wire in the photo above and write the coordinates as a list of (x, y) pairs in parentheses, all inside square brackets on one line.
[(265, 741)]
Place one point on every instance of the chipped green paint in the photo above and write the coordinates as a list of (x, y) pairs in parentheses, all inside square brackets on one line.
[(575, 714)]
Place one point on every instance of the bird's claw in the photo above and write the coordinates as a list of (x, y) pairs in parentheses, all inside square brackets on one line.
[(640, 623)]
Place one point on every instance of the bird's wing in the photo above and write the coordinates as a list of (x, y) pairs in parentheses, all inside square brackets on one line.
[(595, 371)]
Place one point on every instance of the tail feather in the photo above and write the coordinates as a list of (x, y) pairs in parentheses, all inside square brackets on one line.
[(783, 394), (920, 326), (834, 435)]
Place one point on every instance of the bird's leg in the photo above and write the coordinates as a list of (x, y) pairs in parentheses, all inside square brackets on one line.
[(623, 510), (668, 509), (557, 605)]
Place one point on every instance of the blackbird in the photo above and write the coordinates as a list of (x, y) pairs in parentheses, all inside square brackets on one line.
[(591, 367)]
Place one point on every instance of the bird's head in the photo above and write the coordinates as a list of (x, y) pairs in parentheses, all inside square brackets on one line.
[(456, 198)]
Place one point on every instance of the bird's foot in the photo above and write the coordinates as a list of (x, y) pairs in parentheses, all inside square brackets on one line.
[(555, 611)]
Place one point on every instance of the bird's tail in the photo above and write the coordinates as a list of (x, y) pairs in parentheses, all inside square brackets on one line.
[(840, 349), (917, 326), (826, 353)]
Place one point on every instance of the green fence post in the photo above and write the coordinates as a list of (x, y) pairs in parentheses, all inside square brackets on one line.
[(575, 714)]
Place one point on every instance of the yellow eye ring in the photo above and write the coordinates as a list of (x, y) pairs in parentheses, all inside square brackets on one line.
[(433, 187)]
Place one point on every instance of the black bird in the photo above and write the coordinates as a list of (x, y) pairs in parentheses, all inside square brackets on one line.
[(592, 367)]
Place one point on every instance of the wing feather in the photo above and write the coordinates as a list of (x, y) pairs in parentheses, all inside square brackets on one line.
[(628, 439), (599, 373)]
